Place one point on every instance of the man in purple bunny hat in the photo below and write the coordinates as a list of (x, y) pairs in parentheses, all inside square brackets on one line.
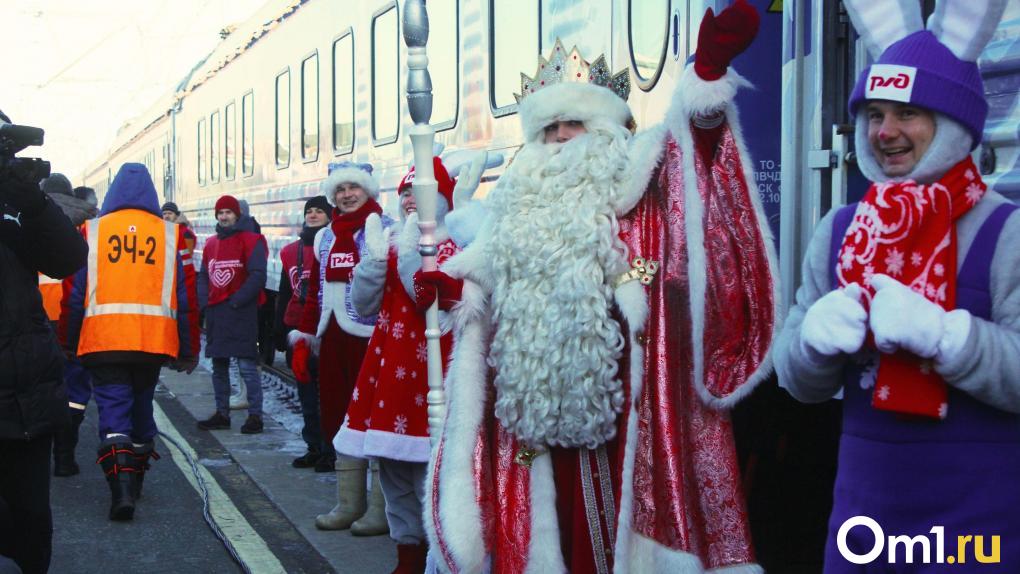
[(911, 307)]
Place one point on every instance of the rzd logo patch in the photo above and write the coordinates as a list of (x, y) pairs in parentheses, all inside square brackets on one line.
[(339, 260), (889, 82)]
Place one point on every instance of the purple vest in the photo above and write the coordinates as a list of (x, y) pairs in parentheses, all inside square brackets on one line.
[(909, 475)]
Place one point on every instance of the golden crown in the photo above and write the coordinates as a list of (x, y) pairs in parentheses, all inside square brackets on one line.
[(562, 67)]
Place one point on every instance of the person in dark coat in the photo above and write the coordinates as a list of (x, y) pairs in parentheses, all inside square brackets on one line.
[(35, 236), (230, 284)]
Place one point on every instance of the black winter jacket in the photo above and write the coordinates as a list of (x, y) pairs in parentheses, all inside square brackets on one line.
[(33, 399)]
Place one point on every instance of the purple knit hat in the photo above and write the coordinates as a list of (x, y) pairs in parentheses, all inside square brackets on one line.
[(922, 71)]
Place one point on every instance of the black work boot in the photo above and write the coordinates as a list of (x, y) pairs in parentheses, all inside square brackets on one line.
[(117, 457), (253, 425), (64, 442), (307, 460), (218, 421), (142, 455)]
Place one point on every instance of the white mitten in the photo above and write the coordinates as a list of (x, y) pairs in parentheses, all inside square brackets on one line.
[(835, 324), (904, 319), (377, 239)]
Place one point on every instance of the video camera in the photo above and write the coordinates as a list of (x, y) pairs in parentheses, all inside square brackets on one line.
[(14, 138)]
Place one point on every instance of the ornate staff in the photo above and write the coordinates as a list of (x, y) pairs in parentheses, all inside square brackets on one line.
[(419, 104)]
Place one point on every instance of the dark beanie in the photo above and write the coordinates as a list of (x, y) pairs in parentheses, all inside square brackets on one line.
[(320, 202), (171, 206), (229, 202), (56, 183)]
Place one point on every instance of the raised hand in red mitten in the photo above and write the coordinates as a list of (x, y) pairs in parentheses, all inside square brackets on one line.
[(299, 362), (428, 283), (723, 38)]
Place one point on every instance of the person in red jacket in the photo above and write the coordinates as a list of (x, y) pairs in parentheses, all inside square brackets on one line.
[(230, 285), (297, 259)]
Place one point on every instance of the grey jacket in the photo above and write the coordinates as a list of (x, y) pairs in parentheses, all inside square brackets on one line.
[(988, 367)]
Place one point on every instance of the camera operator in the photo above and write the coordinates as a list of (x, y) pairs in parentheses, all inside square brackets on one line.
[(35, 236)]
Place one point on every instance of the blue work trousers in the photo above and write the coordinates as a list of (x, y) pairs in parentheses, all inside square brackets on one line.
[(124, 399)]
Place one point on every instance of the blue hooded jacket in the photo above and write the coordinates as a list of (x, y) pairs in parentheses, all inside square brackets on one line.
[(131, 189)]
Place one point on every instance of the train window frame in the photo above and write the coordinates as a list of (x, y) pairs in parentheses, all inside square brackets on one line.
[(451, 123), (276, 119), (200, 157), (392, 5), (339, 149), (318, 109), (646, 84), (509, 109), (230, 120), (214, 159), (250, 140)]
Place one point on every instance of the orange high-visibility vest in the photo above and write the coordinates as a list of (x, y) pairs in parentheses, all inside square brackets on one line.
[(52, 292), (131, 292)]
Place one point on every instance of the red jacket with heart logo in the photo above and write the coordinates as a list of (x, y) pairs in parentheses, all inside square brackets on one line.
[(226, 260)]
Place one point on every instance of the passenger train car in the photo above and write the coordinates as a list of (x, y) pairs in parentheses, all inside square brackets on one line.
[(303, 84)]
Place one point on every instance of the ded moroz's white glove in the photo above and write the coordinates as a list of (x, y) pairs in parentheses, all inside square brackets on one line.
[(468, 180), (835, 324), (904, 319), (377, 239)]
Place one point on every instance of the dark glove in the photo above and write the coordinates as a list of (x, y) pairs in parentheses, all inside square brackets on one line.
[(185, 366), (24, 196), (723, 38), (428, 283), (299, 362)]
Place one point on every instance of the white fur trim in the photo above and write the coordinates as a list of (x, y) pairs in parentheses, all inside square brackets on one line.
[(472, 306), (472, 262), (464, 222), (625, 553), (569, 101), (544, 553), (696, 262), (632, 301), (406, 447), (466, 392), (311, 340), (697, 97), (349, 175), (349, 442), (645, 151), (317, 242)]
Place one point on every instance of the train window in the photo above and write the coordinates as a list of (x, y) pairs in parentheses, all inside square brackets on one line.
[(343, 93), (444, 62), (229, 140), (649, 34), (515, 47), (385, 76), (247, 134), (201, 151), (214, 147), (283, 119), (310, 108), (588, 25)]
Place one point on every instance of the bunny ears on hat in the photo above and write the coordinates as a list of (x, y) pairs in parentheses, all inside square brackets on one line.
[(359, 174), (935, 68)]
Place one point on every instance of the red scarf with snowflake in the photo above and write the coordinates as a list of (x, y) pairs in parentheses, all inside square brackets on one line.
[(344, 254), (906, 230)]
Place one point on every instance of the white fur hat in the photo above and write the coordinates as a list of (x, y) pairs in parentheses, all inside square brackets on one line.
[(349, 172), (570, 101), (566, 87)]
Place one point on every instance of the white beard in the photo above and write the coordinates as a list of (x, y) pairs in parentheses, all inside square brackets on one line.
[(554, 253)]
